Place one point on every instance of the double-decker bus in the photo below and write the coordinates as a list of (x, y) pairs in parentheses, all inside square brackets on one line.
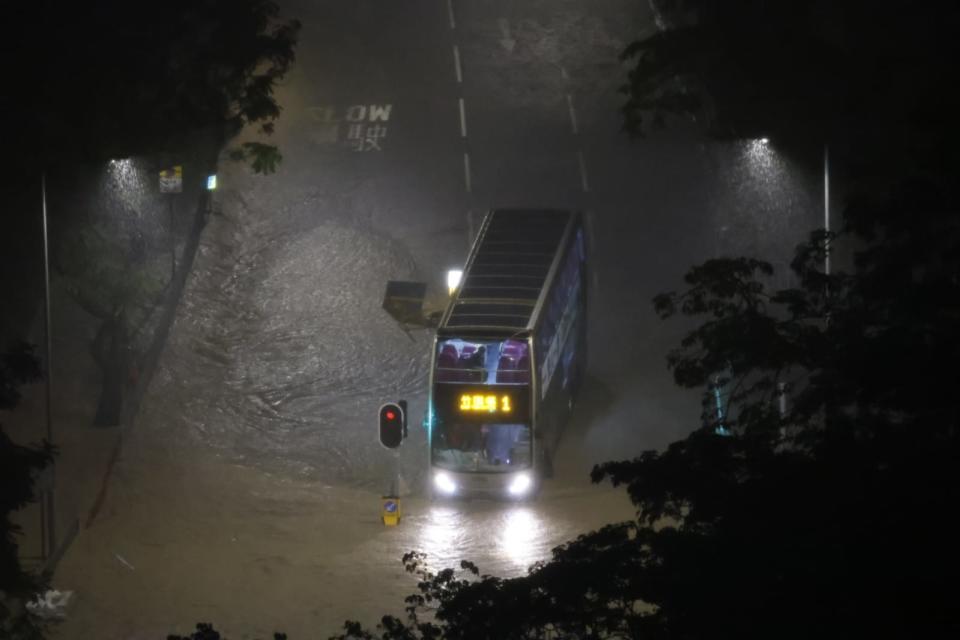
[(509, 355)]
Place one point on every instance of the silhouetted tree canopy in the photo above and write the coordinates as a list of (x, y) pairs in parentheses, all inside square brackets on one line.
[(112, 79), (869, 77), (19, 466)]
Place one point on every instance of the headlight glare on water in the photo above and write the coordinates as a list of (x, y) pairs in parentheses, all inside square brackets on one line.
[(520, 484), (444, 483)]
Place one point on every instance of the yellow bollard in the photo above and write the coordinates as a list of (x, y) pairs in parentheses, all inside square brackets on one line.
[(390, 511)]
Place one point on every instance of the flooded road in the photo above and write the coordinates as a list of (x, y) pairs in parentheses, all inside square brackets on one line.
[(248, 492)]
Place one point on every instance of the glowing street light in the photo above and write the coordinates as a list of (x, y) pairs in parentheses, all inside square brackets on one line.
[(453, 279)]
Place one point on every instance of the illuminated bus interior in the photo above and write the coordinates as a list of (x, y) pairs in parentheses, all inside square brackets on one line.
[(483, 361), (481, 419)]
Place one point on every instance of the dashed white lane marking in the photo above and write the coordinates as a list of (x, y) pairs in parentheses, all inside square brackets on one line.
[(573, 114), (453, 23), (456, 63), (583, 172), (563, 73), (463, 119), (466, 172)]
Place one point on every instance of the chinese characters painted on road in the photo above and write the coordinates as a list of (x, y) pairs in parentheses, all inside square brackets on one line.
[(358, 127)]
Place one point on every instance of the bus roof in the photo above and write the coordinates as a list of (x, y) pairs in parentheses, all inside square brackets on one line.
[(510, 265)]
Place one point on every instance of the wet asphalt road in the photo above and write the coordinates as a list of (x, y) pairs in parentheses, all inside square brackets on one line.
[(402, 123)]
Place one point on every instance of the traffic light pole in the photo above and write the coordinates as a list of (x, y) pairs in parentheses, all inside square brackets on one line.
[(392, 431), (395, 475)]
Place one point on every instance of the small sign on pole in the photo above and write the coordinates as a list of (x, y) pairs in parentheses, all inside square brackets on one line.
[(390, 515), (404, 301), (171, 180)]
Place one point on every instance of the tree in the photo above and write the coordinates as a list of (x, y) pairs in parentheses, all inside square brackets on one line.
[(205, 631), (116, 79), (865, 77), (19, 466), (110, 280)]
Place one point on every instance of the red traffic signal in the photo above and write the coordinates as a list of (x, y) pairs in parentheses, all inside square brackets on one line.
[(391, 425)]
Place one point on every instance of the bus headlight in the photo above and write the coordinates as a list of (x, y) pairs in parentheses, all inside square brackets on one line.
[(520, 485), (444, 483)]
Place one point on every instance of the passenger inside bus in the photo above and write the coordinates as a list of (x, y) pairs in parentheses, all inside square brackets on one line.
[(482, 447), (500, 443), (506, 362), (466, 437)]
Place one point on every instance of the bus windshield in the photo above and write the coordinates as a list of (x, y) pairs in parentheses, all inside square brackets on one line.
[(486, 447), (481, 400)]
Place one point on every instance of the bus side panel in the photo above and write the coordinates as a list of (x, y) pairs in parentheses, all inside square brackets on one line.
[(558, 400), (565, 318), (562, 303)]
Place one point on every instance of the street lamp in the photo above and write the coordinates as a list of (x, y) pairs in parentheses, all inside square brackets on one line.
[(826, 207), (48, 507), (760, 155), (453, 280)]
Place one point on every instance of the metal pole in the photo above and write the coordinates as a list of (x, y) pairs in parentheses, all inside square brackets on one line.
[(826, 206), (50, 537), (173, 246), (395, 481)]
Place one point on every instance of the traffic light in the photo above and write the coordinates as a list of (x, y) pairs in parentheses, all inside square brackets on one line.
[(391, 425)]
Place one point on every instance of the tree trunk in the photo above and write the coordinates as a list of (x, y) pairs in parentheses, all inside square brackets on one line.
[(110, 352)]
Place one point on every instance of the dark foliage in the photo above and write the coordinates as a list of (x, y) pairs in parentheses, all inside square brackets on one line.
[(19, 467), (114, 79), (866, 77), (18, 366), (205, 631)]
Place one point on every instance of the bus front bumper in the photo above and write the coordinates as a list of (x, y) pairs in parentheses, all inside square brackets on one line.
[(514, 485)]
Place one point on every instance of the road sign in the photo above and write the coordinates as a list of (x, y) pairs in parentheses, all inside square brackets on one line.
[(171, 180), (390, 513), (404, 301)]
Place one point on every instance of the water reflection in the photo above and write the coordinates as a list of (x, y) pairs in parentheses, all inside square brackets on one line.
[(512, 535), (521, 536), (443, 536)]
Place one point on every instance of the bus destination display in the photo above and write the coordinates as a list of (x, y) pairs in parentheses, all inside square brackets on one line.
[(486, 403), (491, 403)]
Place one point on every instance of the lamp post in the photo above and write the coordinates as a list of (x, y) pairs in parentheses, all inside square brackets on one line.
[(826, 207), (47, 510), (763, 142)]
